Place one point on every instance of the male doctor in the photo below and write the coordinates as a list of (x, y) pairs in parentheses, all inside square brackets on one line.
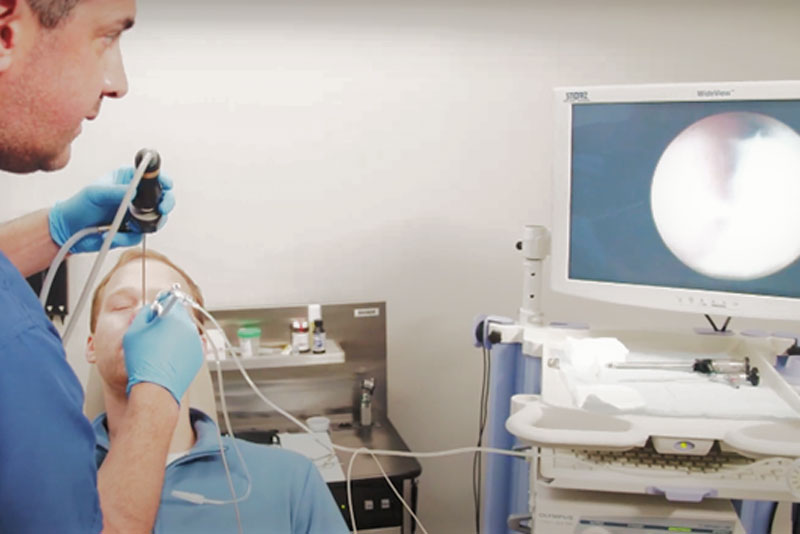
[(58, 60)]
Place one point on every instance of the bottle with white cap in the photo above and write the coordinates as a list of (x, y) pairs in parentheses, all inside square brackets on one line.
[(314, 313)]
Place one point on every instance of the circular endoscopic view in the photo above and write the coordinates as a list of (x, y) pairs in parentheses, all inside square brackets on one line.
[(725, 196)]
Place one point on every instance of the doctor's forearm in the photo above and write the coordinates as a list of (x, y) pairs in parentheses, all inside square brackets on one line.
[(131, 477), (27, 244)]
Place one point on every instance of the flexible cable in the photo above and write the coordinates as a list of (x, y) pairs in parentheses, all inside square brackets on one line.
[(62, 253), (112, 231), (394, 490), (235, 502), (198, 498), (477, 463)]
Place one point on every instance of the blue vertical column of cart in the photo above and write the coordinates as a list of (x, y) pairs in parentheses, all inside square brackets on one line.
[(506, 484), (513, 371)]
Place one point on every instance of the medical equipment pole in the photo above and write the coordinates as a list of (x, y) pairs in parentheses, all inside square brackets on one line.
[(512, 371), (535, 246)]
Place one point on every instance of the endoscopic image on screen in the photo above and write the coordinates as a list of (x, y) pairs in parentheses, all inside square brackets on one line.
[(700, 195)]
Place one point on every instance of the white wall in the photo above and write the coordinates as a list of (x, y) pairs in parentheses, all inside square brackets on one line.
[(339, 151)]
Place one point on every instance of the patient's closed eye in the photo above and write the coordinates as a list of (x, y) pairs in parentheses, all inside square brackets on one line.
[(122, 303)]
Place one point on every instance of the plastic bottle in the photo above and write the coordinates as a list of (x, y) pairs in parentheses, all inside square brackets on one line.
[(249, 341)]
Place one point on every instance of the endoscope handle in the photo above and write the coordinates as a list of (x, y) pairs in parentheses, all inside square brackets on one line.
[(144, 207)]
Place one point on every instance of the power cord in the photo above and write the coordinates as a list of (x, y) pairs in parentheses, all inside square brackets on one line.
[(477, 459)]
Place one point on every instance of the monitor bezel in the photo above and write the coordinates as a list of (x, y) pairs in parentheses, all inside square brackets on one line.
[(648, 296)]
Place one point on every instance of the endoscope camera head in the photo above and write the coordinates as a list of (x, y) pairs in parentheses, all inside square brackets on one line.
[(144, 207)]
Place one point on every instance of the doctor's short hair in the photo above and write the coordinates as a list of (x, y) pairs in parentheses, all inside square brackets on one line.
[(51, 12), (134, 254)]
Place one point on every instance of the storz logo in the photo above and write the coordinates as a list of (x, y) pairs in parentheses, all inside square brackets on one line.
[(577, 96), (715, 93)]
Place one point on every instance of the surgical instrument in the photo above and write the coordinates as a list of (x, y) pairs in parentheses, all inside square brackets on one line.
[(144, 207), (732, 372), (166, 299)]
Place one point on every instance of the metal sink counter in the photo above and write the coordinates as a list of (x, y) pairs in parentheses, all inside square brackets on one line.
[(382, 435)]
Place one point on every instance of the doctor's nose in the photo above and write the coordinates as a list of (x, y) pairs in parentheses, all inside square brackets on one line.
[(115, 83)]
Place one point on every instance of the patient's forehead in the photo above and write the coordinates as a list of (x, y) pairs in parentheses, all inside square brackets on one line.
[(158, 276)]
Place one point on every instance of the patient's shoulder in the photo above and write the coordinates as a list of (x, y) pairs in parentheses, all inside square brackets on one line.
[(273, 457)]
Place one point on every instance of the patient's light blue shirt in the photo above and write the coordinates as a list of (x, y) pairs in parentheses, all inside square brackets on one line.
[(48, 476), (288, 494)]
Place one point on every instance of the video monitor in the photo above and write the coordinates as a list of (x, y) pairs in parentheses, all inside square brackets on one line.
[(683, 197)]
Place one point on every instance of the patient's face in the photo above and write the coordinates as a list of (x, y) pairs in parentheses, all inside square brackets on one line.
[(122, 299)]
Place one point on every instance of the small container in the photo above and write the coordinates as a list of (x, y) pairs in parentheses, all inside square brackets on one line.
[(318, 423), (318, 346), (249, 340), (300, 341)]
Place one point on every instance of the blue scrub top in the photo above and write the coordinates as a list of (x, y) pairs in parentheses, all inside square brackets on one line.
[(48, 477)]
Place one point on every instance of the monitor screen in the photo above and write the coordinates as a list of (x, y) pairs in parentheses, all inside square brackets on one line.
[(680, 197)]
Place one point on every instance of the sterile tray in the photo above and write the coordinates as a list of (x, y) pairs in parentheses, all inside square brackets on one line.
[(553, 419)]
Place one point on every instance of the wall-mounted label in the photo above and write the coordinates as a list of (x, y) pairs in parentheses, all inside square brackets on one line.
[(366, 312)]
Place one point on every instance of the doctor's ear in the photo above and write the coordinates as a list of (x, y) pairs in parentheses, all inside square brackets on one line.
[(90, 355), (12, 13)]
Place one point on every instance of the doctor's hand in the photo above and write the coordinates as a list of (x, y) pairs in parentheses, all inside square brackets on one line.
[(166, 351), (96, 205)]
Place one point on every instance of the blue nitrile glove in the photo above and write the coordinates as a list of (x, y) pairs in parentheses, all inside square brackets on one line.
[(166, 350), (96, 205)]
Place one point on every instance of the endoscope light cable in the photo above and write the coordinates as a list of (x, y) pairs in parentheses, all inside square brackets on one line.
[(192, 497), (62, 253), (98, 263), (229, 428), (197, 498), (333, 446)]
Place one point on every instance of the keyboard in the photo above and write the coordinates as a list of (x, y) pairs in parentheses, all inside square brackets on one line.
[(726, 474)]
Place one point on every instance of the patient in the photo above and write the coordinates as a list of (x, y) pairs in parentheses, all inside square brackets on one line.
[(288, 495)]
